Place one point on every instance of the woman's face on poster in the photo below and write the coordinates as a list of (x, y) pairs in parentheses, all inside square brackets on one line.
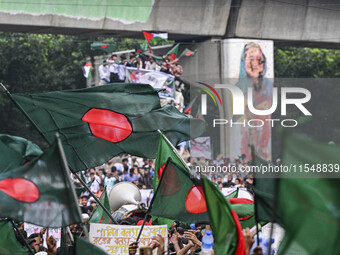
[(254, 62)]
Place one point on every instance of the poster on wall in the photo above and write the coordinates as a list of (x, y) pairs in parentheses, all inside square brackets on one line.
[(250, 67)]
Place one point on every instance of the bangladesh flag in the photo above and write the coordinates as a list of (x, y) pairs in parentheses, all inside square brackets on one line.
[(87, 70), (9, 244), (188, 53), (16, 151), (163, 154), (103, 46), (173, 53), (244, 209), (40, 192), (84, 247), (179, 196), (99, 216), (155, 37), (226, 228), (100, 122)]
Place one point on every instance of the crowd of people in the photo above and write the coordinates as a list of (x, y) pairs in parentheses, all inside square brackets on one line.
[(113, 70)]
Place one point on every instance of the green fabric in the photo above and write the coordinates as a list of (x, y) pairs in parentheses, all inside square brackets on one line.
[(309, 208), (170, 197), (264, 189), (221, 221), (188, 53), (54, 204), (158, 60), (243, 211), (16, 151), (99, 216), (9, 244), (62, 112), (174, 51), (164, 152), (103, 46), (84, 247), (233, 194)]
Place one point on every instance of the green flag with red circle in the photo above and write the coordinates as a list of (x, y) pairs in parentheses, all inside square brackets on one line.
[(179, 196), (97, 123), (40, 192), (188, 53)]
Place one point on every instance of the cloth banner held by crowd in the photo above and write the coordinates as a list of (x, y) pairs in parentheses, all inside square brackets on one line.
[(157, 80)]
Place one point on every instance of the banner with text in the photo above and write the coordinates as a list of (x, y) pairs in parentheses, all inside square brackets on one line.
[(115, 239)]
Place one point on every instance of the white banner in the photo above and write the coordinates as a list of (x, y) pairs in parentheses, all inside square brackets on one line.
[(55, 232), (115, 239)]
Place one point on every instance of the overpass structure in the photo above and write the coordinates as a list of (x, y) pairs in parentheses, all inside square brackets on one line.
[(206, 25)]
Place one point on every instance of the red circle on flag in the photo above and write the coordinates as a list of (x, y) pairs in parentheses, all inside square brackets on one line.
[(20, 189), (104, 46), (108, 125), (195, 200), (160, 172), (189, 53)]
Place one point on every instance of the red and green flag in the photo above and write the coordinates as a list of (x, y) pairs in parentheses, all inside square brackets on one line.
[(100, 122), (84, 247), (165, 151), (226, 228), (245, 211), (109, 48), (99, 216), (87, 70), (188, 53), (173, 53), (9, 244), (40, 192), (179, 196), (138, 48), (155, 37), (16, 151)]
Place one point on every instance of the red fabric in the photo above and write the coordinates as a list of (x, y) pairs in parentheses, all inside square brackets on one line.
[(148, 36), (104, 46), (244, 201), (188, 109), (241, 244), (140, 222), (160, 172), (195, 200), (108, 125), (20, 189)]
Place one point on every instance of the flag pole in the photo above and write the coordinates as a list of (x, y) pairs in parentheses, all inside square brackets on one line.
[(67, 178), (256, 221), (96, 199), (22, 237), (176, 152), (151, 202)]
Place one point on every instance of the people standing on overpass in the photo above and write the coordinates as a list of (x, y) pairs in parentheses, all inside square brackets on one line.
[(104, 73)]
